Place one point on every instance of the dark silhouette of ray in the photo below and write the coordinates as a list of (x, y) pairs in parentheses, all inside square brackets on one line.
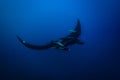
[(62, 43)]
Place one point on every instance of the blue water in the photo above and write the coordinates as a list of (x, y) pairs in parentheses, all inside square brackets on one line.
[(40, 21)]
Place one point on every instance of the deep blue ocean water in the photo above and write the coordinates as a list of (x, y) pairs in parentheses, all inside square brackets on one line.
[(40, 21)]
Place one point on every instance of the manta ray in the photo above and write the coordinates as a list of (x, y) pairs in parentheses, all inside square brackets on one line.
[(62, 43)]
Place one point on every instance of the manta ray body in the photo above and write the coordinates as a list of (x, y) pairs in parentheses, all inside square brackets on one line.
[(62, 43)]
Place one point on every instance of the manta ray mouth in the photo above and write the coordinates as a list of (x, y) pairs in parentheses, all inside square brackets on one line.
[(72, 31)]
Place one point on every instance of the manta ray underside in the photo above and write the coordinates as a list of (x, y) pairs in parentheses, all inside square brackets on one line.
[(62, 43)]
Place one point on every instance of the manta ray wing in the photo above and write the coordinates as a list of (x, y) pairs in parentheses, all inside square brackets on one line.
[(77, 30), (37, 47)]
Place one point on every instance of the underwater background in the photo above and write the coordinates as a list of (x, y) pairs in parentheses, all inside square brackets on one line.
[(40, 21)]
